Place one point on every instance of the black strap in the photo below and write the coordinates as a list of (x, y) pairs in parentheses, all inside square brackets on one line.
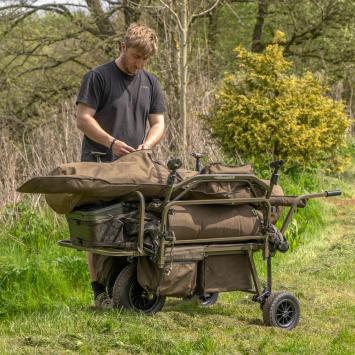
[(112, 143)]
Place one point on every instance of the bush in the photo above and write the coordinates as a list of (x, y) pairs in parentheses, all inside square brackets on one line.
[(263, 112)]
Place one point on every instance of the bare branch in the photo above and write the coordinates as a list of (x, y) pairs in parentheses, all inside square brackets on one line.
[(56, 63), (232, 10), (29, 9), (204, 12), (31, 53), (177, 19), (53, 7)]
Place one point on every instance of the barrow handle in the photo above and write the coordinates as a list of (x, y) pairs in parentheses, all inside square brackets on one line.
[(332, 193)]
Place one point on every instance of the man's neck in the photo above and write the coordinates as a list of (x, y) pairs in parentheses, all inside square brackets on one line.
[(118, 62)]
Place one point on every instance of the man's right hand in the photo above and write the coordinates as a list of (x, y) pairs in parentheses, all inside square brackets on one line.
[(120, 148)]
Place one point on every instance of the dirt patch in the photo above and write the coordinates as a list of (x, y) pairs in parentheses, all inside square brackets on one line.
[(343, 201)]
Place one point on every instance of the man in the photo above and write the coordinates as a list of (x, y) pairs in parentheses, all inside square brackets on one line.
[(113, 105)]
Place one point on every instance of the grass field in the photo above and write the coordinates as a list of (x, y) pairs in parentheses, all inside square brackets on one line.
[(45, 300)]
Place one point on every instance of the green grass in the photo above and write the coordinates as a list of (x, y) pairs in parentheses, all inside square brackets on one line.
[(45, 296), (34, 272)]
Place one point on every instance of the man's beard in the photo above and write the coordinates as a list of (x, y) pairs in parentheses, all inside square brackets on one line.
[(129, 69)]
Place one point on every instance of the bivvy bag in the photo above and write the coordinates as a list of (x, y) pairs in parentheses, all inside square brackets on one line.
[(225, 189), (219, 273), (214, 221), (177, 278), (236, 189), (99, 227)]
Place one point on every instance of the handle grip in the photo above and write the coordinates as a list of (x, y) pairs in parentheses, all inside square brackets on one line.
[(332, 193), (276, 164), (174, 164)]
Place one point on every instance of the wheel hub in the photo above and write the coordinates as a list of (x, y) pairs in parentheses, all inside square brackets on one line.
[(140, 298), (285, 313)]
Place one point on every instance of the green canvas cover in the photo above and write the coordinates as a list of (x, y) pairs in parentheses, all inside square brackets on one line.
[(73, 185)]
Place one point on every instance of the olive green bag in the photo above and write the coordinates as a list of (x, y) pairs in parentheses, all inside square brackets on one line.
[(177, 278), (102, 227), (190, 272), (219, 273)]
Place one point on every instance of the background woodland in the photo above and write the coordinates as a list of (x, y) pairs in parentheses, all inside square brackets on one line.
[(245, 80), (47, 46)]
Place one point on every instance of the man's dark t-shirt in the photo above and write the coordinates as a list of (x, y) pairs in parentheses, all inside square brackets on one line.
[(122, 103)]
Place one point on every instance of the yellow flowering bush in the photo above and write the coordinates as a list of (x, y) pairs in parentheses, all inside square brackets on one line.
[(264, 112)]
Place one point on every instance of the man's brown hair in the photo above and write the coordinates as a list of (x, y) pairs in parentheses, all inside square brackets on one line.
[(141, 37)]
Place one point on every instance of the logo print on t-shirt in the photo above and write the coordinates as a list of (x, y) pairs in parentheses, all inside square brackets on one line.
[(144, 87)]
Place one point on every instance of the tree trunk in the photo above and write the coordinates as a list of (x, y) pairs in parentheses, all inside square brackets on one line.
[(104, 26), (131, 14), (183, 69), (101, 20), (212, 30), (257, 46)]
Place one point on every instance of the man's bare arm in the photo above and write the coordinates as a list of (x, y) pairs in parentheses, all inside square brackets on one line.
[(155, 133), (88, 125)]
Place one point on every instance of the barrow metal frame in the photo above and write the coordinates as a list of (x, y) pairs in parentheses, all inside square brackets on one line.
[(214, 246)]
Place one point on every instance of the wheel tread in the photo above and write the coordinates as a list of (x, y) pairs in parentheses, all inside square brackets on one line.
[(213, 298), (270, 309), (120, 293)]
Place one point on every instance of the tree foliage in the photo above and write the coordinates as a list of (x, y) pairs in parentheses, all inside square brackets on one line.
[(265, 112), (46, 47)]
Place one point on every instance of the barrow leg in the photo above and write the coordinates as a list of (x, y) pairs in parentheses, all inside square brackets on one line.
[(254, 274)]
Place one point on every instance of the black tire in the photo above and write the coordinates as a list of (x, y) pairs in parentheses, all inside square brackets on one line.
[(208, 299), (281, 309), (129, 294)]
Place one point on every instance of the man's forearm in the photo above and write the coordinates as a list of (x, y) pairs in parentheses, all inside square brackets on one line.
[(89, 126), (154, 136)]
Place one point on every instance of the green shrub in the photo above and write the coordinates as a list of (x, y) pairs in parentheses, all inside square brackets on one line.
[(264, 112)]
